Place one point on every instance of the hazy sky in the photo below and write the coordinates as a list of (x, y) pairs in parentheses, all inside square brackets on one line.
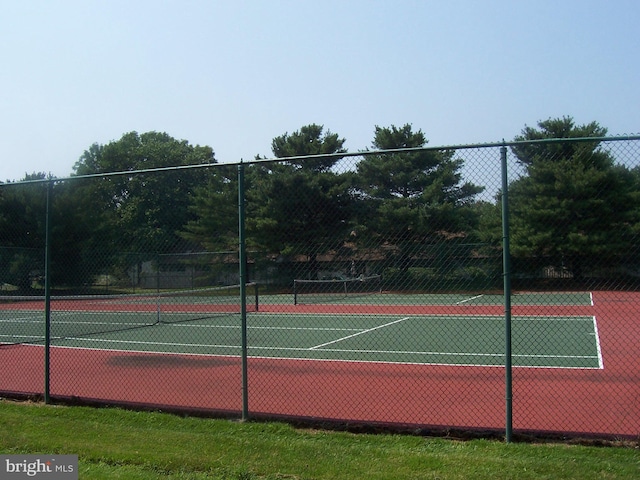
[(235, 74)]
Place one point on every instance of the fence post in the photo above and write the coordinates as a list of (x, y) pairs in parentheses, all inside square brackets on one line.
[(243, 289), (506, 261), (47, 294)]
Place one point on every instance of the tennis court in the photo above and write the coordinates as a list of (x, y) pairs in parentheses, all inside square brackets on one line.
[(415, 329), (411, 359)]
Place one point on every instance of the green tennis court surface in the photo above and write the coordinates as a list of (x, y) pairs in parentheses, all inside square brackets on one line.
[(384, 298), (537, 341)]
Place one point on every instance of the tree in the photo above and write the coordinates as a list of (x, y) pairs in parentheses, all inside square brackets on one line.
[(299, 206), (575, 206), (22, 231), (410, 199), (307, 141), (148, 209), (136, 216), (74, 229), (214, 209), (531, 152)]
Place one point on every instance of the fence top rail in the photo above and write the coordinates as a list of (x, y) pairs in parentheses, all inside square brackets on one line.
[(362, 153)]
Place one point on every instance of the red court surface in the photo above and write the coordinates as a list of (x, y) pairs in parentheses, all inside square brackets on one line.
[(594, 402)]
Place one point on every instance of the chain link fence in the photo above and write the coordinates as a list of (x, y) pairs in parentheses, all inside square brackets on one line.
[(489, 288)]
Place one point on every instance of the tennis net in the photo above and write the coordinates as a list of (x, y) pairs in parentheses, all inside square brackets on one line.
[(326, 291), (23, 318)]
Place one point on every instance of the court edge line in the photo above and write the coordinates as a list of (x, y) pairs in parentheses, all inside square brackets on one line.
[(299, 359), (359, 333), (469, 299), (598, 346), (461, 354)]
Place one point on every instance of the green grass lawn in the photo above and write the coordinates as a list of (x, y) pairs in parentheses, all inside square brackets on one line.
[(118, 444)]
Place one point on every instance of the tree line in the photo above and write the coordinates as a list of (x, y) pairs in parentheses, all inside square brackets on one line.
[(574, 206)]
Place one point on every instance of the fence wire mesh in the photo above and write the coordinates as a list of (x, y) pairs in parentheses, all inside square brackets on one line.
[(367, 288)]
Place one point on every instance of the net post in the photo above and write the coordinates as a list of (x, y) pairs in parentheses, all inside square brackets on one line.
[(158, 304), (295, 292), (257, 296), (506, 259)]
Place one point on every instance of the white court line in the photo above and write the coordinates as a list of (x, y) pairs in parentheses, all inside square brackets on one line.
[(359, 333), (598, 347), (338, 350), (22, 320), (469, 299), (23, 336)]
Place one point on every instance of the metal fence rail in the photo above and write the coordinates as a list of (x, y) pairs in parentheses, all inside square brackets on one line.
[(475, 287)]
